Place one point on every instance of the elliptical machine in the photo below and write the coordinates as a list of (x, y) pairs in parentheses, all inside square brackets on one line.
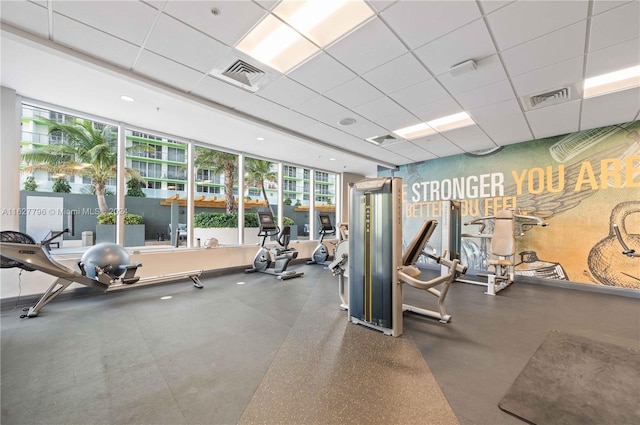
[(321, 253), (282, 254)]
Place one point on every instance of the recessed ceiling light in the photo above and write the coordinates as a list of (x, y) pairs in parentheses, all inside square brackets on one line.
[(260, 138), (332, 159), (612, 82), (166, 297), (127, 98), (347, 121)]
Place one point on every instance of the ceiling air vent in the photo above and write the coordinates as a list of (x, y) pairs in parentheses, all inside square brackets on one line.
[(240, 72), (244, 73), (380, 140), (551, 97)]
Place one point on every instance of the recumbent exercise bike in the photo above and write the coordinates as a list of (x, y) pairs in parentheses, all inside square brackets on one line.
[(282, 254)]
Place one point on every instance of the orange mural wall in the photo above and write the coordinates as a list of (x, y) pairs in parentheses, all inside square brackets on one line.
[(581, 184)]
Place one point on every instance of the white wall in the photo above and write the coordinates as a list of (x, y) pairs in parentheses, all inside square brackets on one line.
[(9, 158), (155, 262)]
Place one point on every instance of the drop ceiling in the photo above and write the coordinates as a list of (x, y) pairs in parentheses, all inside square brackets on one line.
[(390, 72)]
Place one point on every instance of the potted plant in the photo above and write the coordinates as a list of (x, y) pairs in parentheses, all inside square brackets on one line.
[(133, 233)]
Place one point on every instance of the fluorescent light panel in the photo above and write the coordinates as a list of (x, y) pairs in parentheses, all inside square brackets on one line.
[(277, 44), (612, 82), (450, 122), (323, 21), (415, 131)]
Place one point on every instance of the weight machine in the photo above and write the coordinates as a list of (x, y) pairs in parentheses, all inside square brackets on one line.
[(502, 261), (377, 269)]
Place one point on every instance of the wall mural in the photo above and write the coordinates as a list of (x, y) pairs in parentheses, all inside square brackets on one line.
[(581, 184)]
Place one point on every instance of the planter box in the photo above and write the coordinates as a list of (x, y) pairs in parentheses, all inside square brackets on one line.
[(133, 234), (229, 235)]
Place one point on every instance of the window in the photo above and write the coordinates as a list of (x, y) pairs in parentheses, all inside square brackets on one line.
[(289, 171), (176, 172), (175, 154), (208, 189), (322, 177)]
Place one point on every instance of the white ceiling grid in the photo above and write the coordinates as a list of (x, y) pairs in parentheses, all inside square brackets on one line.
[(391, 72)]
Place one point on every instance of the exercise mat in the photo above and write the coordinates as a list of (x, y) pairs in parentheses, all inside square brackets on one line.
[(575, 380)]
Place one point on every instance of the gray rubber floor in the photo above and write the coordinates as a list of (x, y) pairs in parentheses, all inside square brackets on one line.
[(269, 351)]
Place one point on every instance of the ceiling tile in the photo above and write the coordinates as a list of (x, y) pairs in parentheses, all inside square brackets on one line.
[(600, 6), (549, 78), (469, 42), (27, 16), (419, 22), (554, 120), (522, 21), (379, 108), (380, 5), (490, 6), (236, 18), (84, 39), (167, 71), (612, 108), (261, 108), (503, 122), (615, 26), (438, 109), (438, 145), (397, 74), (368, 47), (365, 130), (354, 93), (486, 95), (267, 4), (293, 120), (488, 71), (128, 20), (470, 138), (620, 56), (398, 121), (287, 92), (320, 108), (173, 39), (412, 152), (321, 73), (221, 92), (547, 50), (421, 94)]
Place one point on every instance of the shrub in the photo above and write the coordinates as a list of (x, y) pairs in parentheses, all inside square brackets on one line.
[(61, 185), (110, 218), (214, 219), (30, 184)]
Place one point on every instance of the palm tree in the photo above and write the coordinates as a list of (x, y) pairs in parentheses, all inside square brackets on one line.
[(257, 172), (87, 150), (220, 162)]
